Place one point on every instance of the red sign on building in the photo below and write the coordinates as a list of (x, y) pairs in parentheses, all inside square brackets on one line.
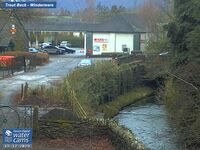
[(100, 40)]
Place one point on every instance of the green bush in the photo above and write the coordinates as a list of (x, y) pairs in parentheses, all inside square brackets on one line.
[(98, 82), (76, 41), (103, 82), (96, 85), (159, 45), (182, 98)]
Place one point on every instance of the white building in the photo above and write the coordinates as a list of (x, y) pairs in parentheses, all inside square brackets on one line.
[(118, 33), (124, 31)]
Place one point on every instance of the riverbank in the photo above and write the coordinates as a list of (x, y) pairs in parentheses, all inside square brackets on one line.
[(112, 108)]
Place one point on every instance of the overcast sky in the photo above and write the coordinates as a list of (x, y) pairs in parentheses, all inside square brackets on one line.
[(73, 5)]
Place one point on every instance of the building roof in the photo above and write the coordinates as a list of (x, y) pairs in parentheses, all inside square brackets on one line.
[(122, 23), (59, 23), (135, 21)]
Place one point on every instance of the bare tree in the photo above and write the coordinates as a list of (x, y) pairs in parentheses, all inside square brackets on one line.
[(87, 14), (154, 17), (148, 12), (63, 12), (90, 10)]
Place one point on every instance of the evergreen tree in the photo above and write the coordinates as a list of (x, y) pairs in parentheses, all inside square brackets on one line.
[(184, 30), (182, 88)]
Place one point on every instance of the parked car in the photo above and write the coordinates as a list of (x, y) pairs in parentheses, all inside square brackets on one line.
[(43, 45), (54, 50), (65, 43), (42, 51), (85, 62), (33, 50), (67, 49)]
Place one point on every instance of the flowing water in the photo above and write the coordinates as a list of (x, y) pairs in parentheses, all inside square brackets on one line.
[(150, 125)]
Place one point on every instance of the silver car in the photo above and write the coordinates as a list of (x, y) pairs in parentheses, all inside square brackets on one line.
[(54, 50)]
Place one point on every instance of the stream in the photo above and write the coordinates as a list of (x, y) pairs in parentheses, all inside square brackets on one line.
[(150, 125)]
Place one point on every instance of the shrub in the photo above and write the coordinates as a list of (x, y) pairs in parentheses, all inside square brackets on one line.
[(36, 59), (103, 82), (182, 98), (97, 84), (18, 53), (42, 58), (160, 45)]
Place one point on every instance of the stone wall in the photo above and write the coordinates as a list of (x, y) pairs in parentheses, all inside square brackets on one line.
[(121, 137), (69, 129)]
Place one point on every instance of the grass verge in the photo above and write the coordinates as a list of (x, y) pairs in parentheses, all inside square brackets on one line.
[(112, 108)]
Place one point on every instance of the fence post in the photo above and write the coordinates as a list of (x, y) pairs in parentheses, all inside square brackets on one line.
[(22, 92), (36, 121), (42, 89), (3, 73), (12, 64), (24, 60), (25, 90)]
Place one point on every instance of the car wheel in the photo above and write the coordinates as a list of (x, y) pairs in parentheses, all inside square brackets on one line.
[(58, 52)]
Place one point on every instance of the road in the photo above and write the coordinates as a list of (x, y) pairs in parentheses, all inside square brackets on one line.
[(58, 67)]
